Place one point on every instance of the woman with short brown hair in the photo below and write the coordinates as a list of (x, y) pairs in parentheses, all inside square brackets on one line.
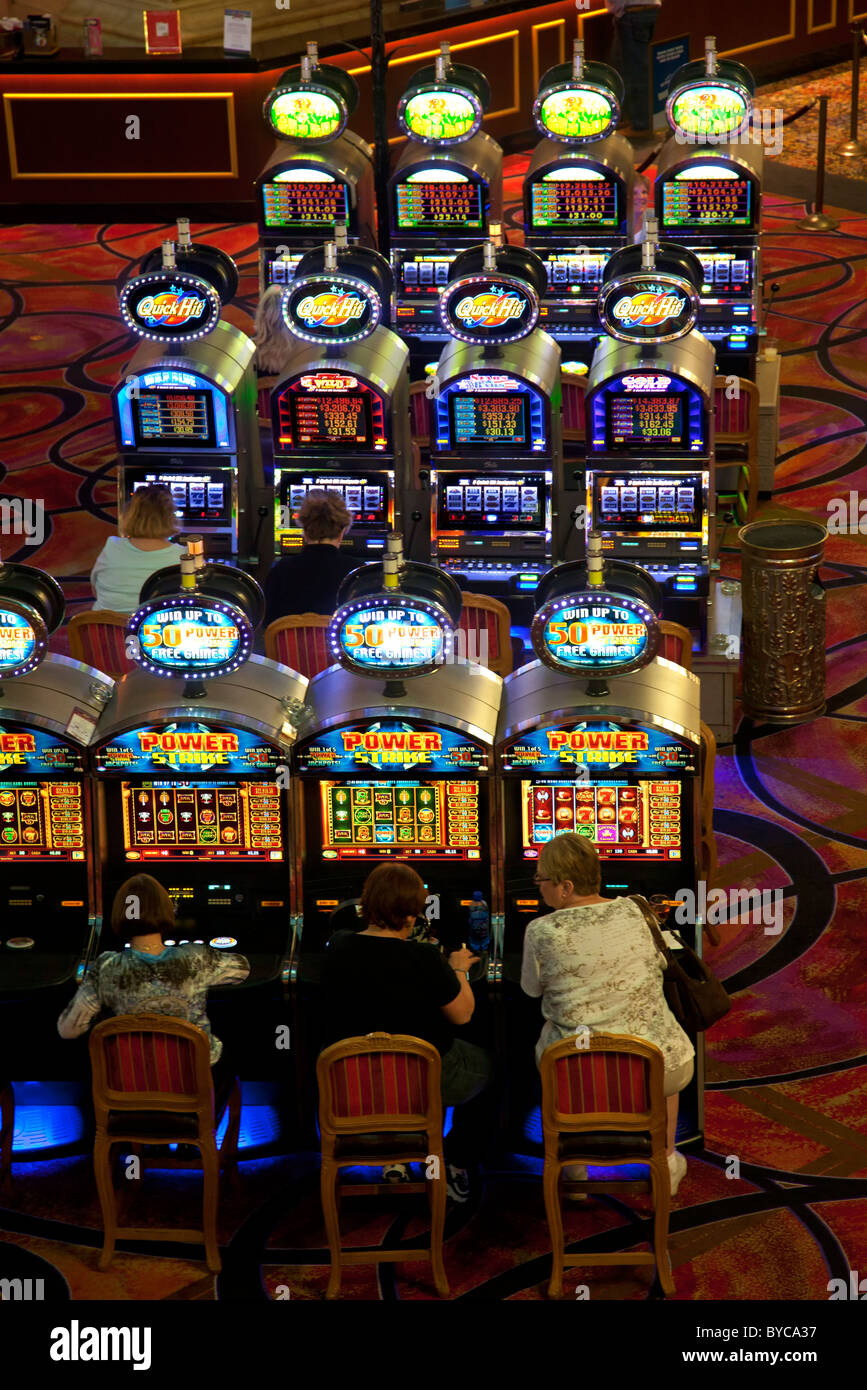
[(306, 580)]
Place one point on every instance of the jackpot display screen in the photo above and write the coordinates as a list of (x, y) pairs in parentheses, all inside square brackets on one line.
[(573, 199), (305, 199), (638, 820), (174, 417), (647, 421), (335, 418), (237, 820), (202, 497), (712, 201), (492, 503), (366, 496), (368, 820), (431, 201), (41, 820), (647, 503), (480, 418)]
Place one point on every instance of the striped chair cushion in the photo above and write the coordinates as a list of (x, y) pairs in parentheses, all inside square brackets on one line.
[(419, 415), (103, 646), (573, 407), (480, 625), (671, 647), (379, 1083), (150, 1062), (305, 649), (591, 1082), (732, 414)]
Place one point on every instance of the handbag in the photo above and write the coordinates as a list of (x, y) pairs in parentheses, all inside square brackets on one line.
[(695, 995)]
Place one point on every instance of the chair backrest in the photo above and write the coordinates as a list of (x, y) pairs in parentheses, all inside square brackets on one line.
[(97, 639), (737, 414), (265, 386), (708, 766), (675, 643), (383, 1081), (419, 413), (151, 1062), (574, 390), (615, 1083), (301, 642), (487, 627)]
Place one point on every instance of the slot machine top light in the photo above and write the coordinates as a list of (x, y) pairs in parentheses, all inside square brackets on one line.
[(497, 300), (444, 104), (311, 103), (710, 99), (578, 102), (342, 297), (179, 303), (31, 607), (654, 301)]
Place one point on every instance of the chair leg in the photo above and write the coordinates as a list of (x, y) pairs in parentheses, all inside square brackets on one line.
[(437, 1198), (661, 1182), (210, 1199), (551, 1190), (328, 1192), (229, 1146), (107, 1197)]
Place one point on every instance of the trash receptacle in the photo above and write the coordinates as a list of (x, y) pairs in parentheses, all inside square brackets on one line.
[(783, 621)]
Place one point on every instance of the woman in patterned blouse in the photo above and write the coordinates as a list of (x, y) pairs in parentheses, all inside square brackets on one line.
[(594, 963)]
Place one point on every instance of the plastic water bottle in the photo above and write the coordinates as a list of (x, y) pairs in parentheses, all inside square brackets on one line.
[(480, 925)]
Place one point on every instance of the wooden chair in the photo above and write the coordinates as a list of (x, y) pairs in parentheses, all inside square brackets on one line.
[(574, 389), (97, 639), (152, 1084), (605, 1105), (379, 1102), (264, 388), (419, 414), (7, 1128), (486, 625), (736, 435), (300, 642), (708, 839), (675, 643)]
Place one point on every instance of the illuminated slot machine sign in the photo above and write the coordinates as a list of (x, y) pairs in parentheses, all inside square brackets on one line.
[(187, 748), (301, 199), (487, 503), (575, 112), (713, 197), (709, 110), (443, 114), (189, 637), (170, 306), (330, 411), (200, 498), (307, 112), (416, 819), (594, 630), (218, 820), (649, 412), (624, 820), (651, 504), (437, 199), (369, 497), (172, 409), (389, 635), (574, 198), (330, 307), (482, 411), (23, 638)]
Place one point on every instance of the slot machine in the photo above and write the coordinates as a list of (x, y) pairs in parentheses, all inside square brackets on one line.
[(599, 737), (446, 194), (340, 415), (708, 197), (191, 766), (50, 708), (649, 407), (185, 409), (395, 759), (578, 196), (320, 175), (496, 445)]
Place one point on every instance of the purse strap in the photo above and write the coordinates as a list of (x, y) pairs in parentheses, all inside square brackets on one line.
[(651, 920)]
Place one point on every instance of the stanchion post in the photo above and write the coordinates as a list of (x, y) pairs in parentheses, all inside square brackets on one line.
[(818, 220), (855, 148)]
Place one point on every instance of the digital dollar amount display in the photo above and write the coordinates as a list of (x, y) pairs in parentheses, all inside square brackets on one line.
[(41, 820), (647, 503), (651, 421), (365, 820), (488, 418), (221, 820), (174, 417), (335, 417), (304, 202), (575, 202), (432, 203), (638, 820), (491, 503), (711, 202)]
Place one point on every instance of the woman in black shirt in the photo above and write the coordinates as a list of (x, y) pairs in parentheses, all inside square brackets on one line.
[(307, 580), (378, 981)]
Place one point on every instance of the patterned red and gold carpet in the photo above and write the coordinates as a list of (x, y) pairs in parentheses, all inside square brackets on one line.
[(787, 1069)]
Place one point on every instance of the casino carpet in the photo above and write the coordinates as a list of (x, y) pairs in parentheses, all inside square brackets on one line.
[(774, 1205)]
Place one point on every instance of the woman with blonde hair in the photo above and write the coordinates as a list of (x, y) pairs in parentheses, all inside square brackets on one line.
[(275, 345), (142, 548), (595, 965)]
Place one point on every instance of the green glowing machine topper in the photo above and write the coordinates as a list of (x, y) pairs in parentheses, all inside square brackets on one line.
[(444, 104), (311, 103), (579, 101), (710, 100)]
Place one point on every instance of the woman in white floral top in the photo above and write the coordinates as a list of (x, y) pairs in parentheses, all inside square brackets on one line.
[(594, 963)]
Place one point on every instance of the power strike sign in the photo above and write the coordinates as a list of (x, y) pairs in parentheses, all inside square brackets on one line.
[(188, 749), (600, 745), (392, 746)]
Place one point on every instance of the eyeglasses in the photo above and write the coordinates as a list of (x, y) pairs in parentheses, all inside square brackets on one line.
[(537, 881)]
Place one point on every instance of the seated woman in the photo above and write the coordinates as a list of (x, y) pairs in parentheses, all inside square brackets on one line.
[(377, 981), (149, 977), (594, 964), (142, 548), (275, 345), (307, 580)]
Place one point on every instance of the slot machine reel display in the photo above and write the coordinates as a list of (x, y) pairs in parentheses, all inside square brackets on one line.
[(445, 194), (601, 738), (708, 198), (578, 195), (649, 411), (320, 175), (496, 443), (50, 708), (395, 760), (185, 411), (188, 763), (340, 416)]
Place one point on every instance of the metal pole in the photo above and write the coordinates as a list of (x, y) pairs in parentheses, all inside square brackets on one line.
[(855, 148), (378, 77), (818, 220)]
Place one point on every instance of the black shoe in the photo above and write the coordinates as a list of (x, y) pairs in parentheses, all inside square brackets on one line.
[(457, 1183), (395, 1173)]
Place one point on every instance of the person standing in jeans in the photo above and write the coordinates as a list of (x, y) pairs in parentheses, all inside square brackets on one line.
[(634, 23)]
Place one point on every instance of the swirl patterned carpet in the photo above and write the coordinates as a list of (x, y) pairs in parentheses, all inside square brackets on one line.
[(787, 1069)]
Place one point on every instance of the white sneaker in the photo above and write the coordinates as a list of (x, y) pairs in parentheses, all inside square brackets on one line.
[(395, 1173), (677, 1170), (575, 1172)]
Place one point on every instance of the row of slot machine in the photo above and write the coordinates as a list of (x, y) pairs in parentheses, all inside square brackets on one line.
[(262, 801)]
